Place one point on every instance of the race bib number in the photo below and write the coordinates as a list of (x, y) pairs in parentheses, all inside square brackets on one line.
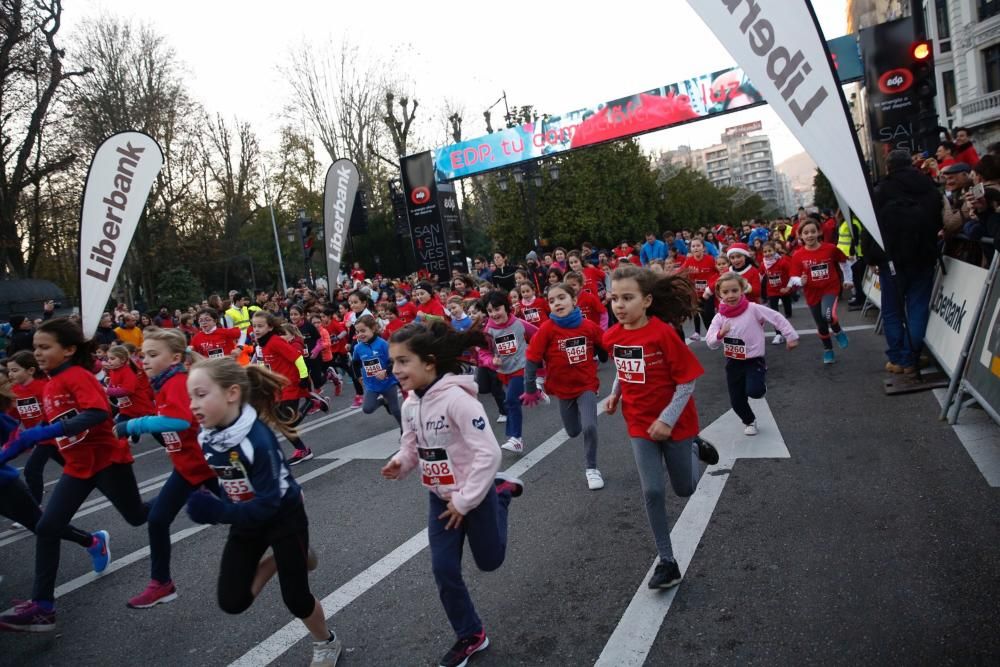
[(234, 483), (28, 408), (66, 442), (124, 402), (734, 348), (819, 271), (630, 364), (700, 286), (171, 441), (435, 467), (531, 315), (215, 353), (372, 366), (774, 281), (506, 345), (576, 349)]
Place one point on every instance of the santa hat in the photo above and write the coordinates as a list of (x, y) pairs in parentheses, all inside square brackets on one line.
[(739, 248)]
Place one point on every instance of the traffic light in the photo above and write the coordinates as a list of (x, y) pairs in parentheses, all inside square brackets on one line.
[(922, 67)]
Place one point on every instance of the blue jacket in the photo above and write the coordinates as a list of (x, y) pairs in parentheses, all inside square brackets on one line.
[(656, 249), (374, 357), (8, 425)]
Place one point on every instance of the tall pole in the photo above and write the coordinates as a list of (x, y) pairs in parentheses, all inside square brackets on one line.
[(277, 245)]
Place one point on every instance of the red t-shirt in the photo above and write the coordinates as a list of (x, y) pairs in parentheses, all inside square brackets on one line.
[(279, 356), (219, 343), (138, 399), (185, 453), (432, 308), (337, 345), (568, 354), (700, 271), (535, 312), (777, 276), (594, 278), (28, 406), (392, 326), (819, 270), (590, 306), (67, 394), (358, 275), (651, 361), (407, 312), (830, 230), (752, 276)]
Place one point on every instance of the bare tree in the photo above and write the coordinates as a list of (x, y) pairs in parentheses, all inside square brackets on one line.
[(31, 73), (399, 129)]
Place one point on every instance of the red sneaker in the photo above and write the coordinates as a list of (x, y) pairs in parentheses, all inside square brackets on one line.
[(156, 593), (299, 456), (464, 648), (356, 403)]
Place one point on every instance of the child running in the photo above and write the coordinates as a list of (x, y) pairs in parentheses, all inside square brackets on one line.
[(212, 340), (818, 269), (380, 385), (700, 268), (743, 263), (566, 343), (777, 275), (656, 375), (260, 500), (128, 385), (446, 433), (278, 355), (739, 328), (163, 360), (28, 385), (79, 418)]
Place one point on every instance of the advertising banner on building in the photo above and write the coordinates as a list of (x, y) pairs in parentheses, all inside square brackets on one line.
[(954, 301), (121, 175), (423, 209), (780, 47), (339, 194), (892, 108), (699, 97)]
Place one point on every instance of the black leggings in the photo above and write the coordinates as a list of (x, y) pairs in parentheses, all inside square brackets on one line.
[(489, 383), (116, 482), (289, 540), (784, 299), (17, 504), (706, 311), (289, 411), (35, 466), (340, 361)]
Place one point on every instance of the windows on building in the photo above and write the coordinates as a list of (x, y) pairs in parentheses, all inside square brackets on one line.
[(943, 25), (991, 65), (988, 8), (948, 89)]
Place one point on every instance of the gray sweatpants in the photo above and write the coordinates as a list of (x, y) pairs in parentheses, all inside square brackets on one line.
[(681, 459), (371, 402), (580, 414)]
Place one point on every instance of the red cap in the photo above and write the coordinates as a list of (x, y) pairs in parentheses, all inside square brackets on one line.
[(741, 248)]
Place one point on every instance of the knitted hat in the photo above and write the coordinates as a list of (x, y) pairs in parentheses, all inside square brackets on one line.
[(425, 286), (739, 249)]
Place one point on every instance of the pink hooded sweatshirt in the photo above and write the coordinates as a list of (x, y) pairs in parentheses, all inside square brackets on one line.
[(745, 338), (448, 438)]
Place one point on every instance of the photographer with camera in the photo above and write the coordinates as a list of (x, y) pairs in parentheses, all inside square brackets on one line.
[(982, 203)]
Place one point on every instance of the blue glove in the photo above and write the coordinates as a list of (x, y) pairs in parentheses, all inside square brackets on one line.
[(204, 507), (38, 433)]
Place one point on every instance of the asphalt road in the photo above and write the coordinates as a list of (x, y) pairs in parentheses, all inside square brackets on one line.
[(874, 542)]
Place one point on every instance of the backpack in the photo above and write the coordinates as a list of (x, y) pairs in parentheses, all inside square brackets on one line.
[(910, 231)]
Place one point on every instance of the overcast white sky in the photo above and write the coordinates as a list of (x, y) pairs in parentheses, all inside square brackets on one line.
[(558, 56)]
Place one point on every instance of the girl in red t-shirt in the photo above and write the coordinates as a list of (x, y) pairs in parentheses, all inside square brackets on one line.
[(818, 268), (656, 374), (587, 302), (28, 384), (699, 267), (429, 307), (79, 417), (212, 340), (278, 355), (128, 385), (743, 263), (530, 307), (175, 427), (777, 273), (567, 343)]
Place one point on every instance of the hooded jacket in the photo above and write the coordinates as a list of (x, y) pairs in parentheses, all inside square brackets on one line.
[(910, 185), (447, 434)]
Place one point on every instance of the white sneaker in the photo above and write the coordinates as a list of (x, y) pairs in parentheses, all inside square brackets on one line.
[(750, 429), (513, 444), (695, 337), (594, 479), (545, 397), (16, 526), (778, 339), (325, 654), (502, 419)]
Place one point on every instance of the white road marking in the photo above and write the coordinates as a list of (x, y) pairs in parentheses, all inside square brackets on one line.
[(631, 640), (981, 439)]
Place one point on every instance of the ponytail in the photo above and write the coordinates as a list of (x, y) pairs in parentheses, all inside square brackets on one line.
[(437, 343), (258, 386)]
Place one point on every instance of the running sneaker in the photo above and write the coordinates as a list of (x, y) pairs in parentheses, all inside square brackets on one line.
[(320, 400), (326, 653), (594, 479), (29, 616), (706, 451), (666, 575), (545, 397), (778, 339), (465, 648), (155, 593), (313, 407), (502, 419), (695, 337), (16, 526), (750, 429), (338, 384), (504, 482), (513, 444), (356, 403), (299, 456), (842, 341), (828, 357), (100, 550)]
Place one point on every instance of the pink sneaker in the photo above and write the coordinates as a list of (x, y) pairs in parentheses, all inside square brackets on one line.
[(356, 403), (299, 456), (156, 593)]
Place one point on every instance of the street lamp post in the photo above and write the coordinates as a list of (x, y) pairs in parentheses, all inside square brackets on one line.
[(531, 171)]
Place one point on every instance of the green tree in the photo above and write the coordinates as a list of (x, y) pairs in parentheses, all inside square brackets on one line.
[(823, 196), (177, 288)]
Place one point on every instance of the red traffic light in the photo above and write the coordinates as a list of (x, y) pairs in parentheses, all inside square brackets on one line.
[(921, 50)]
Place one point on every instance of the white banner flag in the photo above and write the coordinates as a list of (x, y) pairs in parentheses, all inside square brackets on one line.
[(338, 204), (118, 183), (780, 46)]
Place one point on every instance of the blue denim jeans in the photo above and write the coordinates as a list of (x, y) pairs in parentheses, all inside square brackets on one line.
[(515, 420), (907, 294)]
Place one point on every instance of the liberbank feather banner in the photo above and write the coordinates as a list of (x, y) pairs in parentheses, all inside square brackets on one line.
[(338, 203), (779, 44), (118, 183)]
